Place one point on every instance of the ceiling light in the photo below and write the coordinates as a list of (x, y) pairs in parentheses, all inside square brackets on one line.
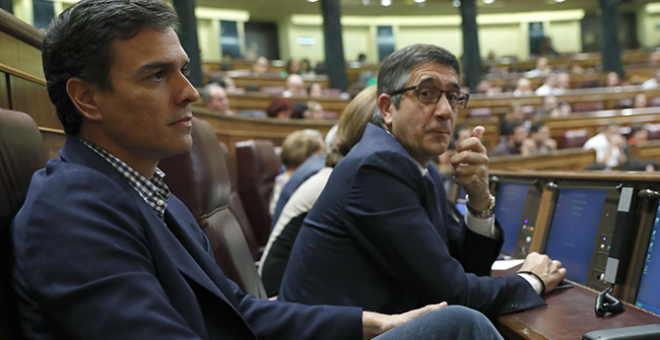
[(560, 0), (385, 2), (488, 2), (312, 0), (419, 1), (456, 3)]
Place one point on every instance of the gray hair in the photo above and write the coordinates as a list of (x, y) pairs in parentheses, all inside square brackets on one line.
[(394, 71), (206, 93)]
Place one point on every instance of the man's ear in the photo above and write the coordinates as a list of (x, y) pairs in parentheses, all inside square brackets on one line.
[(385, 105), (82, 96)]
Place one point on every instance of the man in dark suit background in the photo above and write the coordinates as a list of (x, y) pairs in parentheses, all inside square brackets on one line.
[(381, 236), (101, 248)]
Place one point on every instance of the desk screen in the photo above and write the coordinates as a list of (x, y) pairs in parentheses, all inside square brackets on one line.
[(648, 296), (509, 209), (574, 230), (460, 205)]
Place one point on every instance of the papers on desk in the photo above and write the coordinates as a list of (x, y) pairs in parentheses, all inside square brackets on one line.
[(505, 264)]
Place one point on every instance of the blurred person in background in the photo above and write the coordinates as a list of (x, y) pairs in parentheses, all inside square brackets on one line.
[(314, 111), (292, 67), (215, 99), (609, 146), (297, 147), (280, 108), (315, 90), (523, 88), (514, 116), (640, 101), (549, 86), (539, 141), (260, 67), (563, 82), (295, 86), (612, 80), (513, 141)]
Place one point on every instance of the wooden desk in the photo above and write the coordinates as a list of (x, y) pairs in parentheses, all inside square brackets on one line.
[(649, 150), (608, 95), (585, 60), (569, 315), (637, 73), (566, 159), (243, 79), (260, 101), (593, 121)]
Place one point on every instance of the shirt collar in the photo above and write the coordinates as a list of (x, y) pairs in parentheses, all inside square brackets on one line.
[(153, 191), (424, 170)]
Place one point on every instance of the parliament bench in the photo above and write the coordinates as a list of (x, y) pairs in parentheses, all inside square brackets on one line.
[(565, 159)]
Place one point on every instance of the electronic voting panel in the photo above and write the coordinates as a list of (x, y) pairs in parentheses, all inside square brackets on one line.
[(580, 232), (515, 209), (648, 294)]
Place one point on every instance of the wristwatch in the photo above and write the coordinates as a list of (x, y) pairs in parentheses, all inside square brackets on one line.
[(489, 212)]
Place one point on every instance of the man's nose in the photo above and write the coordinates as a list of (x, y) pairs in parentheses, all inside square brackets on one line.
[(443, 108)]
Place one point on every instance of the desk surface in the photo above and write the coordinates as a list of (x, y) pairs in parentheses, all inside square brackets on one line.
[(569, 315)]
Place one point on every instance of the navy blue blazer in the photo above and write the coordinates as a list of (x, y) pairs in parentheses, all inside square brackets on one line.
[(382, 237), (93, 261)]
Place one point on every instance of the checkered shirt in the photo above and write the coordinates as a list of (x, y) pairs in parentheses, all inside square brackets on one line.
[(153, 191)]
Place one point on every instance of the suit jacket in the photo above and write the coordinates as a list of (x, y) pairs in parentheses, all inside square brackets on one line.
[(93, 261), (381, 236), (309, 168)]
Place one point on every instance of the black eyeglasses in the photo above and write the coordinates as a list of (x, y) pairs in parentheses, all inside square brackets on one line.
[(428, 94)]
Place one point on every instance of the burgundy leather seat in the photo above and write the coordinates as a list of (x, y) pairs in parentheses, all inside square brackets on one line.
[(483, 112), (587, 106), (22, 153), (200, 178), (653, 131), (258, 165), (236, 207), (573, 139)]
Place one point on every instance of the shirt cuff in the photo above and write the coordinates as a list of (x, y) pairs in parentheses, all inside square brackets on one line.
[(484, 227), (532, 281)]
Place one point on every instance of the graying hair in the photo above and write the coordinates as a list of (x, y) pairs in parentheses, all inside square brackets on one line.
[(206, 93), (394, 71)]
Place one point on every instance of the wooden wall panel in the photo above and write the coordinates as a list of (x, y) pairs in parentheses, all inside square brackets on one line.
[(20, 55), (4, 94), (53, 141), (32, 99)]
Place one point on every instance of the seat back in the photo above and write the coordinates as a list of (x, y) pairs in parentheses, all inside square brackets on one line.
[(22, 153), (573, 139), (200, 179), (587, 106), (483, 112), (653, 131), (236, 207), (258, 165)]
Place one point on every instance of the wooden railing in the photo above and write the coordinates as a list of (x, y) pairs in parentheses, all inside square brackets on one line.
[(564, 160)]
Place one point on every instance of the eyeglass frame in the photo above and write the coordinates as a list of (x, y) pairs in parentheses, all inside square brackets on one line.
[(416, 87)]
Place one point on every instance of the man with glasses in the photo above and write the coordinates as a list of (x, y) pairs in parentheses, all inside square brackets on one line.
[(381, 235)]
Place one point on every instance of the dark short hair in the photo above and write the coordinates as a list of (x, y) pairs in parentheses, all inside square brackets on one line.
[(537, 126), (513, 127), (394, 71), (77, 44)]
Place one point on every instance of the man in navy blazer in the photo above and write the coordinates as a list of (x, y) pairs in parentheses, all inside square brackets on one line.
[(102, 250), (381, 235)]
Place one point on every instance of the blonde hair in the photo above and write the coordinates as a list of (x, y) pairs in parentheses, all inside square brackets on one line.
[(354, 119), (298, 146)]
